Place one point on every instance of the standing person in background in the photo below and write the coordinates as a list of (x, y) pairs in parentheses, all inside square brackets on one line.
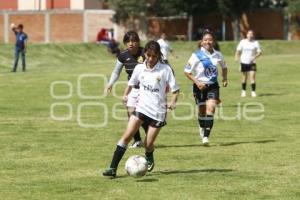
[(20, 47), (247, 51), (133, 55), (202, 70), (165, 47)]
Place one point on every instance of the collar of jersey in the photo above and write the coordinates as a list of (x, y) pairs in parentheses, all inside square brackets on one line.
[(207, 52), (156, 66)]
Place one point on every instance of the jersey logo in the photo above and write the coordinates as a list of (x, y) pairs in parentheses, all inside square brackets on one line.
[(210, 70), (140, 59)]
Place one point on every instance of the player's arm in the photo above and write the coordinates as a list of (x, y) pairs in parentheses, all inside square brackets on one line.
[(237, 55), (174, 89), (114, 76), (188, 71), (126, 92), (224, 71), (199, 84)]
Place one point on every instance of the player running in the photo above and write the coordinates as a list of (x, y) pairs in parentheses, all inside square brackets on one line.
[(202, 70), (247, 51), (154, 79), (133, 55)]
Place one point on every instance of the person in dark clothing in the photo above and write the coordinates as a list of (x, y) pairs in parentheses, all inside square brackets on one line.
[(20, 47)]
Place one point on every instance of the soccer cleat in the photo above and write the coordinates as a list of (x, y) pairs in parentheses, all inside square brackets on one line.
[(205, 141), (110, 172), (243, 94), (253, 94), (150, 163), (136, 144)]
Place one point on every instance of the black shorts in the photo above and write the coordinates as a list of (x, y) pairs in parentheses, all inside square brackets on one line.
[(210, 92), (248, 67), (149, 121)]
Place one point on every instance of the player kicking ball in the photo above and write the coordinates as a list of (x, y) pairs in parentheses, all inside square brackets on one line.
[(154, 80), (202, 70)]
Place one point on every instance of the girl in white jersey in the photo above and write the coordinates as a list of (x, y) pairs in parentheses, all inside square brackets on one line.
[(202, 70), (247, 51), (154, 79)]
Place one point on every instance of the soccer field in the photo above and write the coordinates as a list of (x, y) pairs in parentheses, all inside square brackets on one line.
[(58, 131)]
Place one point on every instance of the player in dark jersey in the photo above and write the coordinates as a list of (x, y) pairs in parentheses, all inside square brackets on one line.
[(129, 58)]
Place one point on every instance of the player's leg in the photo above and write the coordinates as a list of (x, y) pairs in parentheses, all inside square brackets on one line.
[(201, 118), (149, 145), (244, 83), (16, 60), (200, 98), (209, 119), (131, 104), (23, 60), (253, 82), (133, 125)]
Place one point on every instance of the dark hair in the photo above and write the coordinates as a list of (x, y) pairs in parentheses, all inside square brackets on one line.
[(154, 46), (20, 26), (131, 36), (208, 31)]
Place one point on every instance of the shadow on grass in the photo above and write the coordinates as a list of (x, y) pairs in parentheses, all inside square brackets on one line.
[(179, 145), (192, 171), (247, 142), (271, 94), (145, 180)]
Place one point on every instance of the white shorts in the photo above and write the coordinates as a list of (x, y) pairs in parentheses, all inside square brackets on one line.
[(133, 98)]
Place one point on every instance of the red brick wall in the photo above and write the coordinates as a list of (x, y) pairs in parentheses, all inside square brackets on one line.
[(66, 27), (58, 4), (33, 25), (8, 4)]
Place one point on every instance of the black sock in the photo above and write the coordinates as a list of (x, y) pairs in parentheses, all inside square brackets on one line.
[(118, 154), (137, 136), (149, 155), (243, 86), (209, 122), (201, 122), (253, 86)]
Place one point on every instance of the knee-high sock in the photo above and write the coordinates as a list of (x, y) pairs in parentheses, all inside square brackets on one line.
[(209, 122), (118, 154)]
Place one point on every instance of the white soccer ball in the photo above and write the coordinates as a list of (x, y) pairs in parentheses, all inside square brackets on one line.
[(136, 166), (12, 25)]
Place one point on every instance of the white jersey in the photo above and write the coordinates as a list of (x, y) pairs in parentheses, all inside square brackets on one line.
[(249, 49), (204, 65), (154, 85), (165, 48)]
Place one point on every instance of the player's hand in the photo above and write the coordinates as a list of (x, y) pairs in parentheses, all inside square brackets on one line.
[(225, 82), (108, 89), (171, 106), (125, 99), (12, 25), (200, 85)]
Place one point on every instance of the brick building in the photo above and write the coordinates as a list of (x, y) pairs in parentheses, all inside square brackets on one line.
[(51, 4)]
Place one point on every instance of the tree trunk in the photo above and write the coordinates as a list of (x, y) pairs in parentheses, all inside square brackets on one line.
[(235, 23), (190, 27)]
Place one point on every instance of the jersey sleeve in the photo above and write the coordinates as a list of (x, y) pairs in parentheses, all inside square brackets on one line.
[(240, 46), (134, 80), (115, 73), (222, 61), (192, 62), (171, 80)]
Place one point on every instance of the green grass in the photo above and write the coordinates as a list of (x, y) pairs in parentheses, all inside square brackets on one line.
[(42, 158)]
